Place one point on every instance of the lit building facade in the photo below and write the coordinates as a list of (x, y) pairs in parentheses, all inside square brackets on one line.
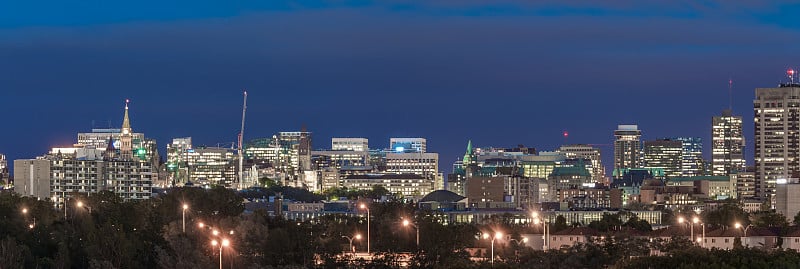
[(777, 145), (212, 166), (727, 148), (590, 153), (627, 147), (3, 170), (408, 144), (691, 156), (664, 154), (404, 184)]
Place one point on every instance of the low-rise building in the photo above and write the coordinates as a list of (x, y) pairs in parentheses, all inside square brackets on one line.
[(570, 237)]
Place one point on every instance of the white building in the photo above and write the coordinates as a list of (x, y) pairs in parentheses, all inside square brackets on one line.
[(349, 144), (787, 200)]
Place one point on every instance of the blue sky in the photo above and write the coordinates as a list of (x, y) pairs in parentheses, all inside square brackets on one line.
[(501, 74)]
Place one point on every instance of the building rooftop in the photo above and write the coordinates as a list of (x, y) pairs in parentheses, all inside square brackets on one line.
[(442, 196)]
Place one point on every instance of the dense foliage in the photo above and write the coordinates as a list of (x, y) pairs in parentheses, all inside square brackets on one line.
[(105, 232)]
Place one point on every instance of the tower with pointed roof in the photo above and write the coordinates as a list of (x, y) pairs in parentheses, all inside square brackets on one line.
[(469, 156), (126, 137)]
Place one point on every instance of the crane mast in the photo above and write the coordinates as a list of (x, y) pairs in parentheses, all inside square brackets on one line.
[(241, 147)]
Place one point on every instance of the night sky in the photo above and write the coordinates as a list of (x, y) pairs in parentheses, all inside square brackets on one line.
[(501, 74)]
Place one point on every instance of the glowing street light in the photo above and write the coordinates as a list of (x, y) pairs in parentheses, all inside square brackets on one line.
[(408, 223), (744, 231), (356, 237), (25, 212), (185, 206), (365, 207), (543, 221), (223, 243), (497, 235), (80, 204)]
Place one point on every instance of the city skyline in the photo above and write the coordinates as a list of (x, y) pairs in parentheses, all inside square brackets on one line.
[(184, 71)]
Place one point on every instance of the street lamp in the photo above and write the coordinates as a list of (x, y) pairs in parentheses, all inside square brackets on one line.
[(696, 220), (543, 221), (691, 224), (497, 235), (80, 204), (25, 212), (408, 223), (185, 206), (364, 206), (356, 237), (744, 231), (222, 244)]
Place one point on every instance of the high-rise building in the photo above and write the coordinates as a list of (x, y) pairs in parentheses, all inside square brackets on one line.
[(212, 166), (692, 156), (664, 154), (177, 157), (3, 170), (727, 148), (777, 145), (746, 183), (349, 144), (408, 144), (627, 147), (590, 153)]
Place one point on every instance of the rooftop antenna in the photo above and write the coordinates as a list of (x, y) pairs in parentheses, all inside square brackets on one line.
[(241, 137), (730, 94), (566, 135), (790, 73)]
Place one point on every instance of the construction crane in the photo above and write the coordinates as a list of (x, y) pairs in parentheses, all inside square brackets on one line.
[(241, 147)]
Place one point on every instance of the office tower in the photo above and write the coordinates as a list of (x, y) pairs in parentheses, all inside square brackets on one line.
[(746, 183), (627, 148), (212, 166), (3, 170), (777, 145), (408, 144), (664, 154), (176, 160), (592, 154), (727, 148), (349, 144), (299, 142), (692, 156)]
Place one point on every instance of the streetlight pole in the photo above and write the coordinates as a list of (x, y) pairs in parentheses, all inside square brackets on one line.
[(222, 244), (681, 220), (364, 206), (408, 223), (357, 237), (744, 231), (185, 206), (543, 221), (497, 235)]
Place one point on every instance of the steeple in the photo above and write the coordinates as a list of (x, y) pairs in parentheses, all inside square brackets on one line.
[(126, 123), (126, 137), (469, 155)]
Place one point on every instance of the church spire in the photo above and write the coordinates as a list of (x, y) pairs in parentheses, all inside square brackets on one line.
[(126, 123), (469, 155), (125, 139)]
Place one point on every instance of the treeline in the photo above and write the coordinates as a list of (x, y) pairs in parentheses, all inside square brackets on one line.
[(102, 231)]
